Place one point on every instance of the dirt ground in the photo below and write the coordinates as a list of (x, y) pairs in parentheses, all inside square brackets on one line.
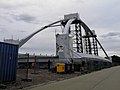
[(43, 76)]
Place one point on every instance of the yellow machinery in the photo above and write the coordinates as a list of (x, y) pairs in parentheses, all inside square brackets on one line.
[(60, 67)]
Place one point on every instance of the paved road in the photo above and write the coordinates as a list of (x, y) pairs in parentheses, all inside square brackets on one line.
[(107, 79)]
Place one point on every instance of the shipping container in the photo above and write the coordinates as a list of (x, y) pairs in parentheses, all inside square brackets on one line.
[(8, 62)]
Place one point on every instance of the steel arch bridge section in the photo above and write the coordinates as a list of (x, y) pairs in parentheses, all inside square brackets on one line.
[(78, 34)]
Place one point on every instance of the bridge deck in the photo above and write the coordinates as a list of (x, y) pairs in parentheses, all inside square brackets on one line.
[(107, 79)]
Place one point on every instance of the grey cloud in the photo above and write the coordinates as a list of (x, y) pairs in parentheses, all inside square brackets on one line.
[(22, 31), (3, 30), (111, 34), (12, 4), (6, 17), (110, 42), (10, 17), (112, 47), (106, 15), (2, 6), (25, 18), (10, 7)]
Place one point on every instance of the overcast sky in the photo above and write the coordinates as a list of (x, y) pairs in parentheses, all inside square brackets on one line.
[(19, 18)]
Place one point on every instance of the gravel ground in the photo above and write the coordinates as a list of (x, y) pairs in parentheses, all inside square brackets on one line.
[(42, 77)]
